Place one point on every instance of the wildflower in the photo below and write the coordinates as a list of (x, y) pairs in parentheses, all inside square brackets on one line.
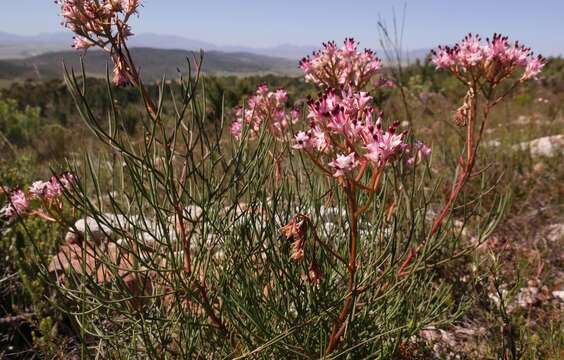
[(533, 68), (301, 141), (345, 121), (319, 140), (236, 129), (421, 151), (17, 205), (120, 78), (67, 179), (493, 61), (53, 189), (444, 58), (470, 51), (385, 145), (343, 164), (80, 42), (101, 23), (340, 68), (265, 108), (38, 188)]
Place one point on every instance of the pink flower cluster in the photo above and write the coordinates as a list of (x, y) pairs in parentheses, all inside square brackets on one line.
[(52, 189), (420, 151), (101, 23), (17, 205), (343, 67), (495, 59), (264, 108), (344, 133), (94, 21), (48, 191)]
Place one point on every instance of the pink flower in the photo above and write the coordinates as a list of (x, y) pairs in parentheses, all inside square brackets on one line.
[(421, 151), (319, 140), (385, 145), (301, 141), (265, 108), (130, 6), (236, 128), (471, 52), (533, 68), (120, 78), (38, 188), (444, 58), (343, 164), (81, 43), (281, 96), (493, 61), (340, 68), (17, 205), (103, 23), (53, 189), (67, 179), (423, 148)]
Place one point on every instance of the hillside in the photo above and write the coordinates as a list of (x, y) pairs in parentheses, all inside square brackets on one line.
[(154, 63)]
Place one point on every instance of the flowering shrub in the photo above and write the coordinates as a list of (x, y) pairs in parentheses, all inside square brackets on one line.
[(17, 204), (265, 108), (482, 68), (193, 252), (50, 194)]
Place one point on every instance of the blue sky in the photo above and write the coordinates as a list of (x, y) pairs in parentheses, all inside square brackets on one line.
[(539, 24)]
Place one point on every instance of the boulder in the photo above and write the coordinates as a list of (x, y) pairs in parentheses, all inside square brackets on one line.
[(548, 146)]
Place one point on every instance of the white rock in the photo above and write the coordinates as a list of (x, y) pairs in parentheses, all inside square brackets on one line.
[(90, 228), (492, 143), (555, 232), (559, 294), (329, 227), (523, 120), (193, 213), (548, 146), (332, 213), (527, 296)]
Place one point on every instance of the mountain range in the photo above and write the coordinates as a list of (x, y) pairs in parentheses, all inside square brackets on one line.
[(20, 46), (153, 64), (42, 56)]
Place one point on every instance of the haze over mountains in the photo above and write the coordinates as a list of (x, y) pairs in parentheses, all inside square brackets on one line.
[(18, 46), (41, 56), (153, 64)]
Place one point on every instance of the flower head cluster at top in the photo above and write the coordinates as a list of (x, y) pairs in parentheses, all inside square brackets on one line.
[(340, 67), (49, 192), (494, 60), (345, 131), (264, 108), (101, 23)]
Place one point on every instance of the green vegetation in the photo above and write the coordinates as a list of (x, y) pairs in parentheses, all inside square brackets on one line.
[(154, 64), (475, 298)]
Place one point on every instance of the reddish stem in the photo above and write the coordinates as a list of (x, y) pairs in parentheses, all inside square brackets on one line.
[(339, 325)]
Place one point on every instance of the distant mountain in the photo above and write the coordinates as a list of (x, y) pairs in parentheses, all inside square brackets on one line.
[(19, 47), (153, 63)]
